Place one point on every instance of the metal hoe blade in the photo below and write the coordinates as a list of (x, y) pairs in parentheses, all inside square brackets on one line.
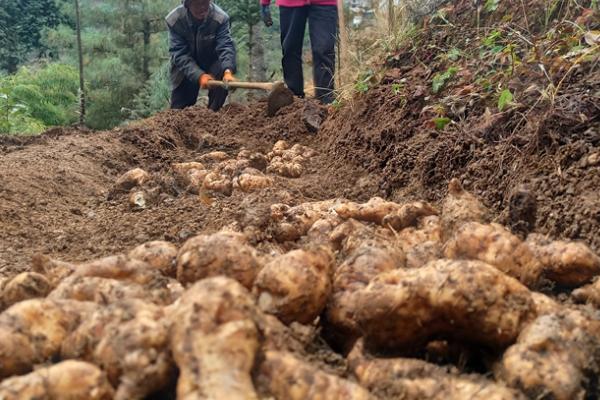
[(279, 97)]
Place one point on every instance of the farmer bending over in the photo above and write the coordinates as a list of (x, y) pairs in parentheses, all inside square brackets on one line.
[(201, 49)]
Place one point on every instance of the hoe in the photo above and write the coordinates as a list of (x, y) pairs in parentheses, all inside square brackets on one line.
[(279, 95)]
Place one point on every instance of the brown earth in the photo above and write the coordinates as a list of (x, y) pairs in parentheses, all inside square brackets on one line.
[(54, 188), (536, 165)]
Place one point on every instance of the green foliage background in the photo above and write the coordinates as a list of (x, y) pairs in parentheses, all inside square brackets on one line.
[(125, 59)]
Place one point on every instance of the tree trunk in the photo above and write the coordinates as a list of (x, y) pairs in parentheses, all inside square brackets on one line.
[(146, 56), (257, 69), (80, 54)]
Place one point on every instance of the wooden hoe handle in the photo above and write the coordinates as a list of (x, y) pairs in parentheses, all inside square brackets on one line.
[(268, 86)]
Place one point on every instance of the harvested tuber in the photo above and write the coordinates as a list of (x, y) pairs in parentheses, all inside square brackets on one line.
[(287, 169), (107, 291), (232, 168), (288, 378), (251, 180), (159, 255), (413, 379), (554, 357), (408, 215), (217, 182), (190, 175), (588, 294), (422, 243), (136, 356), (296, 285), (69, 380), (183, 168), (375, 210), (138, 200), (120, 267), (32, 331), (25, 286), (495, 245), (568, 264), (469, 301), (129, 340), (214, 341), (134, 178), (223, 253), (291, 223), (321, 230), (460, 207), (354, 275), (54, 270), (215, 156)]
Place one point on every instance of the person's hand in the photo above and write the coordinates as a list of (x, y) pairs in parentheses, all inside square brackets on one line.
[(265, 13), (204, 78), (228, 76)]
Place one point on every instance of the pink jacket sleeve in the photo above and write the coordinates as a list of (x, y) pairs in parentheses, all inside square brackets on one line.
[(265, 2)]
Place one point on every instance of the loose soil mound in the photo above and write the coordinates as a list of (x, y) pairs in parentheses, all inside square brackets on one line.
[(546, 143), (54, 188)]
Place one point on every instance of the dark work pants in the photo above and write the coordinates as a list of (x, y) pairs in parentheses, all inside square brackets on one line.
[(186, 94), (322, 26)]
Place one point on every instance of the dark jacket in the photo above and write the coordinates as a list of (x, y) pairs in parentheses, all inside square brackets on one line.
[(195, 46)]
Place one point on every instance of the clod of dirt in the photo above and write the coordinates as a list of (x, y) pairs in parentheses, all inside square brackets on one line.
[(522, 211)]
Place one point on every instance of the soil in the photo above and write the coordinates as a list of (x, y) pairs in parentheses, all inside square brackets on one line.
[(54, 189), (536, 164)]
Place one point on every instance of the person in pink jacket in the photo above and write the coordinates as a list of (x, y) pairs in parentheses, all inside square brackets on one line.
[(322, 18)]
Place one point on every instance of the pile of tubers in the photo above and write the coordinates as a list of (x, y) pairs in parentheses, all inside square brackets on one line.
[(417, 301), (218, 173)]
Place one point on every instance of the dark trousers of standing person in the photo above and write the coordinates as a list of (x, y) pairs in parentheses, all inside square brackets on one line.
[(322, 27), (186, 94)]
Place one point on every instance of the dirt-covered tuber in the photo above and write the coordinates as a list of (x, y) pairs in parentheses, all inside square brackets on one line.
[(460, 207), (568, 264), (296, 285), (413, 379), (555, 357), (495, 245), (223, 253), (158, 254), (289, 378), (214, 341), (469, 301), (25, 286), (72, 380)]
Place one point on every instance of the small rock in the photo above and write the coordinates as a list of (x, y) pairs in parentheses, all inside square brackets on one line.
[(593, 159), (137, 200), (184, 234), (312, 118)]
